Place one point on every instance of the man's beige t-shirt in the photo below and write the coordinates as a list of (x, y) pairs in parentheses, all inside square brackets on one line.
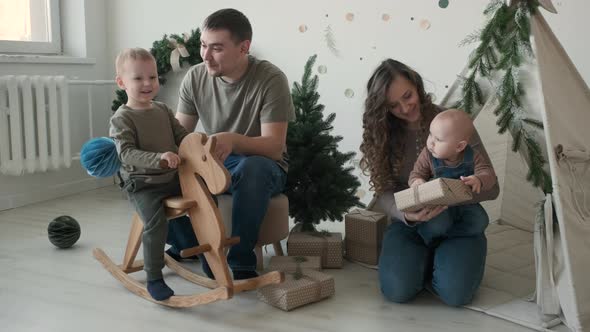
[(261, 96)]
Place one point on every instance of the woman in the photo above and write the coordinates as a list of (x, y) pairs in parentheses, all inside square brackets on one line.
[(396, 120)]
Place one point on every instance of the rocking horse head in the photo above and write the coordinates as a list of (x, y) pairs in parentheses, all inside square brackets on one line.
[(196, 152)]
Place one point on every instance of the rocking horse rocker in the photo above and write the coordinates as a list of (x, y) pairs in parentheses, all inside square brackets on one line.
[(201, 175)]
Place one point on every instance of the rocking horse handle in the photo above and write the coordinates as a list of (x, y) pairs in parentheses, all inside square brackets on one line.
[(209, 142), (163, 163)]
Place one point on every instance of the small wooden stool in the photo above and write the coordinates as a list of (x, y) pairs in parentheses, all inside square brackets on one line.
[(274, 227)]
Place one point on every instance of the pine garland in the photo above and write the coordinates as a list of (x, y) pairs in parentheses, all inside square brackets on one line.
[(161, 50), (504, 46), (319, 185)]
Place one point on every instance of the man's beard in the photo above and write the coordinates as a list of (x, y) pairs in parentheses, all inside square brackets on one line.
[(213, 72)]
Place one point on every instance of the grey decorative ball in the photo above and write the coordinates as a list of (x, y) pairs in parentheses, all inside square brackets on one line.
[(63, 231)]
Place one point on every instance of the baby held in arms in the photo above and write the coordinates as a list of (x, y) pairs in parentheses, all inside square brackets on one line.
[(448, 155)]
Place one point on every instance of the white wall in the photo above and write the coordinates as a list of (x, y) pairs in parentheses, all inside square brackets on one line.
[(85, 43), (362, 42)]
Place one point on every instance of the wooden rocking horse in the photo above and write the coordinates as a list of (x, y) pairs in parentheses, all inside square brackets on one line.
[(198, 165)]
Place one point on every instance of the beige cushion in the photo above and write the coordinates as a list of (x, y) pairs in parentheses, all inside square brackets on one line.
[(275, 225)]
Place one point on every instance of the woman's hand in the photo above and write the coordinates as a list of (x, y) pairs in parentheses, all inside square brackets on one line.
[(425, 214)]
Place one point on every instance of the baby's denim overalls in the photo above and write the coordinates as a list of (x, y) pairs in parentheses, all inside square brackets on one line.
[(456, 221)]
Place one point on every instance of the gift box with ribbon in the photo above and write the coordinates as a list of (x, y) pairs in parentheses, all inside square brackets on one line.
[(291, 263), (364, 233), (326, 245), (441, 191), (298, 289)]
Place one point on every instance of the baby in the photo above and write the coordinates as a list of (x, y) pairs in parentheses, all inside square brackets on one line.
[(147, 136), (448, 155)]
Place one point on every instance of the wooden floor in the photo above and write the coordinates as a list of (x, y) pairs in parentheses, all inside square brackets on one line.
[(43, 288)]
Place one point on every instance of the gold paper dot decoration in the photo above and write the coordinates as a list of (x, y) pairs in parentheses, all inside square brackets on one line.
[(424, 24), (322, 69), (349, 93), (302, 28), (349, 17), (360, 193)]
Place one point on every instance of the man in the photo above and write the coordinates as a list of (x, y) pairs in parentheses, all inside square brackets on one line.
[(246, 104)]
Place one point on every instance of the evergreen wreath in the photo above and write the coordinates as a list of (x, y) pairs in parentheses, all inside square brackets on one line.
[(504, 45), (161, 50)]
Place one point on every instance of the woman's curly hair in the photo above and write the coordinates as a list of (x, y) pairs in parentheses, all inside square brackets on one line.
[(382, 153)]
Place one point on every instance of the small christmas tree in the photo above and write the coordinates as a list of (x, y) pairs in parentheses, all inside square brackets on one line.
[(319, 185)]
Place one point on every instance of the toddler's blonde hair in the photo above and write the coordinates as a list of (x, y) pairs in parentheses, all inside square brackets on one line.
[(136, 53)]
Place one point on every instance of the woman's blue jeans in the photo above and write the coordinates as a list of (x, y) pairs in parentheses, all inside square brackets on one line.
[(454, 266), (456, 221)]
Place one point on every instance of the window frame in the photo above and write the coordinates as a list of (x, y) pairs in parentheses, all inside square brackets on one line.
[(52, 47)]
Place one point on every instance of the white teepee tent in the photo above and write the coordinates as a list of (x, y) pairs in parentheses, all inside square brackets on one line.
[(556, 94)]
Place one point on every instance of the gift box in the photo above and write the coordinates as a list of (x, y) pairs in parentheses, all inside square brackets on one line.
[(291, 263), (364, 233), (441, 191), (298, 289), (326, 245)]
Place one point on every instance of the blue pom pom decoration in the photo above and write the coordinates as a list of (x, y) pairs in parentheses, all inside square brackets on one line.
[(99, 157)]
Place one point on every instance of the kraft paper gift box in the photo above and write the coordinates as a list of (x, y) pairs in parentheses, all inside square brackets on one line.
[(298, 289), (326, 245), (441, 191), (364, 233), (290, 263)]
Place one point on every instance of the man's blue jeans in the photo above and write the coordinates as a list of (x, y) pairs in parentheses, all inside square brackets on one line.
[(254, 180), (454, 267)]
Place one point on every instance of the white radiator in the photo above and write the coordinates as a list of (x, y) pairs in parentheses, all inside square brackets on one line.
[(34, 124)]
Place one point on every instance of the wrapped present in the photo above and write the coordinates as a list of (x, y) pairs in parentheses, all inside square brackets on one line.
[(441, 191), (364, 233), (326, 245), (291, 263), (298, 289)]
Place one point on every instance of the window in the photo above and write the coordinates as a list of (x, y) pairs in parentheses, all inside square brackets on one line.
[(30, 26)]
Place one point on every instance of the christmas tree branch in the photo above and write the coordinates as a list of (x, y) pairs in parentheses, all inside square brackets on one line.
[(504, 46)]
